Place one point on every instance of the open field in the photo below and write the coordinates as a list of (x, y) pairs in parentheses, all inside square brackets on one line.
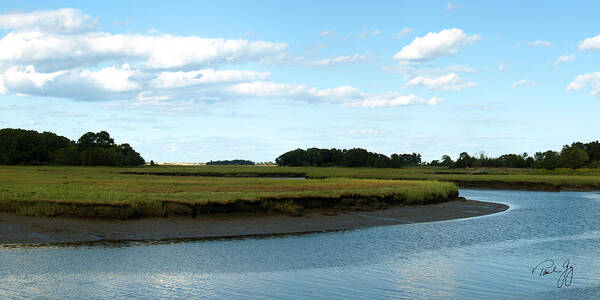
[(482, 178), (107, 192)]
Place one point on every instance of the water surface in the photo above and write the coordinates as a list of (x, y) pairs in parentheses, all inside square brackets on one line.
[(490, 256)]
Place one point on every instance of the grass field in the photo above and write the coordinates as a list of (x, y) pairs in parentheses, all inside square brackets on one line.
[(482, 178), (109, 193)]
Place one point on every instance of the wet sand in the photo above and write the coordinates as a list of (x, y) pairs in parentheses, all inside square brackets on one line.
[(16, 229)]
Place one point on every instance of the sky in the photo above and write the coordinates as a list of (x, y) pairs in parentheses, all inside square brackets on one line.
[(193, 81)]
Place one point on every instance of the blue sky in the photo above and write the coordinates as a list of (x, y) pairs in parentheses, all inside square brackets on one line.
[(196, 81)]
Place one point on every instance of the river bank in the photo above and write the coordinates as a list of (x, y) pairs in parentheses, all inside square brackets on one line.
[(56, 230)]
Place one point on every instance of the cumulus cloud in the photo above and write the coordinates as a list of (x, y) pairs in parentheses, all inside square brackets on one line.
[(402, 32), (154, 52), (540, 43), (590, 44), (75, 83), (62, 20), (523, 82), (588, 80), (62, 54), (444, 43), (448, 82), (339, 61), (563, 59)]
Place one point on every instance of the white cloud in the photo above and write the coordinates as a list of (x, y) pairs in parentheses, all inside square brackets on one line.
[(591, 80), (452, 6), (402, 32), (184, 79), (501, 67), (590, 44), (444, 43), (339, 61), (61, 20), (62, 54), (367, 33), (347, 95), (145, 96), (448, 82), (328, 33), (27, 78), (74, 83), (523, 82), (540, 43), (564, 59), (155, 52), (2, 88), (111, 79), (265, 89), (392, 100), (409, 71)]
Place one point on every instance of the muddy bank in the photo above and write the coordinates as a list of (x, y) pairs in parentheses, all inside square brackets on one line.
[(16, 229)]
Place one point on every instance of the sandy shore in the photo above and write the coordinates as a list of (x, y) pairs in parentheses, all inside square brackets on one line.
[(38, 230)]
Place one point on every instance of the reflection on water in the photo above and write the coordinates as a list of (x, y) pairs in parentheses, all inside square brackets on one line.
[(470, 258)]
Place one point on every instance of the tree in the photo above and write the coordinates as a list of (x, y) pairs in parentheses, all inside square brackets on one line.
[(29, 147), (573, 157), (547, 160), (447, 161), (356, 157), (464, 161), (593, 150), (295, 158)]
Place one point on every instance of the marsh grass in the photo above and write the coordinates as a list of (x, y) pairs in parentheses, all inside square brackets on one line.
[(474, 177), (111, 193)]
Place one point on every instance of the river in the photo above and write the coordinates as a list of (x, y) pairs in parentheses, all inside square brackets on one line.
[(490, 256)]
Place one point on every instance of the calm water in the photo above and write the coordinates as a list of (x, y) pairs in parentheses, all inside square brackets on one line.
[(491, 256)]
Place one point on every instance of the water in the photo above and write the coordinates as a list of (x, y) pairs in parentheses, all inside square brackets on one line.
[(490, 256)]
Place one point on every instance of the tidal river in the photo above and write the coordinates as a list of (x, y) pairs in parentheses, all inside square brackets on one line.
[(546, 245)]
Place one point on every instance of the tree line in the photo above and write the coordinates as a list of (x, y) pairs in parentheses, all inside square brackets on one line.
[(29, 147), (356, 157), (234, 162), (574, 156)]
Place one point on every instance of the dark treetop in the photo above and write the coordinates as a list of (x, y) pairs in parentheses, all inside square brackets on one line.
[(29, 147)]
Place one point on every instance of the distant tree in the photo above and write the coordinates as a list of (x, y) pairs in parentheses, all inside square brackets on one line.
[(356, 157), (464, 161), (547, 160), (294, 158), (447, 161), (574, 156), (18, 146), (231, 162)]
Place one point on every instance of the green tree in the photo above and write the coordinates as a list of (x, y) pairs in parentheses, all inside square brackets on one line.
[(547, 160), (573, 157)]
